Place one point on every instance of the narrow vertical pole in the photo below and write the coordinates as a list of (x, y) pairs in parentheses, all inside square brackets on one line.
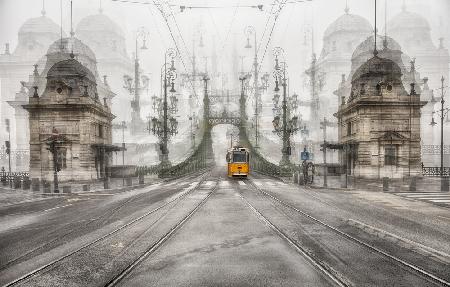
[(164, 141), (325, 169), (123, 153), (443, 184), (256, 92), (9, 155), (55, 165)]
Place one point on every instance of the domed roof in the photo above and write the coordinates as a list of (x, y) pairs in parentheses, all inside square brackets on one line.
[(40, 24), (377, 66), (348, 23), (71, 45), (70, 68), (368, 45), (99, 23), (408, 20)]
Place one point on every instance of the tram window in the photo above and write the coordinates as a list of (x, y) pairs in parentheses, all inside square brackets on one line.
[(239, 157)]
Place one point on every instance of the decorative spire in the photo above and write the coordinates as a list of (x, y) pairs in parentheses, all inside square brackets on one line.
[(413, 91), (35, 94), (35, 71), (385, 41), (100, 9), (72, 33), (375, 52), (347, 9), (413, 65), (61, 46), (404, 6), (43, 12)]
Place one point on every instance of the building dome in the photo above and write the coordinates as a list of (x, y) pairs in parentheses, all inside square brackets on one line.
[(103, 35), (367, 45), (406, 20), (38, 25), (34, 37), (348, 23), (71, 45), (99, 23), (377, 66), (70, 69)]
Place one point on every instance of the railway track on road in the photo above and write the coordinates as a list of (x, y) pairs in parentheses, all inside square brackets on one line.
[(38, 270), (316, 263), (125, 272), (73, 227), (418, 270)]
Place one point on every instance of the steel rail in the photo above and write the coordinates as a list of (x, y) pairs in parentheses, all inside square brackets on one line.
[(104, 216), (295, 245), (413, 267), (125, 272), (45, 266)]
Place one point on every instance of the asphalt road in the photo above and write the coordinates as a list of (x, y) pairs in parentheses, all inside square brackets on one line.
[(208, 230)]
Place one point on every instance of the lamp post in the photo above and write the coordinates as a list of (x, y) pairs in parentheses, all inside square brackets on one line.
[(289, 125), (134, 88), (250, 30), (242, 100), (53, 143), (166, 127), (123, 152), (444, 111), (8, 150)]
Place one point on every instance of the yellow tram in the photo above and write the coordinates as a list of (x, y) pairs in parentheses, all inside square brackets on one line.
[(238, 162)]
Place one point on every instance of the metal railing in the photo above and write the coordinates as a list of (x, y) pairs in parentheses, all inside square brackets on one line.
[(435, 171)]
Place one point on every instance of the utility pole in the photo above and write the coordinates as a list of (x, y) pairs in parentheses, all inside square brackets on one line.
[(323, 126), (251, 30), (123, 153), (8, 150), (444, 181)]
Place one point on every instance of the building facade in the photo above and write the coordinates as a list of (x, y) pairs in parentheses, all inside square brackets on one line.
[(34, 37), (379, 123), (69, 111), (107, 40)]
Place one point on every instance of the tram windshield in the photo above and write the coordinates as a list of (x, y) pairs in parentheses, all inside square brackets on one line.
[(239, 157)]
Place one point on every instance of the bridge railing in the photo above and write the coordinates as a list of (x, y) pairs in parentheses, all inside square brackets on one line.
[(435, 171)]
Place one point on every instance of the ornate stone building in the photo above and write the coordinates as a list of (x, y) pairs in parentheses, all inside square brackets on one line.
[(413, 32), (69, 110), (339, 41), (34, 37), (59, 50), (107, 41), (379, 123)]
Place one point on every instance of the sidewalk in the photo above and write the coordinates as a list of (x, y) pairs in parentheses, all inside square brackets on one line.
[(10, 196), (395, 185)]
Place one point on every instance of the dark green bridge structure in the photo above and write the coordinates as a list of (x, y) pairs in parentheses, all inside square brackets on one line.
[(203, 157)]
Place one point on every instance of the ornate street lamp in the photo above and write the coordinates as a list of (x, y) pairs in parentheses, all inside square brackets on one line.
[(250, 30), (133, 86), (284, 126), (54, 142), (166, 125), (444, 112)]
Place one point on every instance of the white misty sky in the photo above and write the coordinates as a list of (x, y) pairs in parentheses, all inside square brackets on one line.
[(223, 24)]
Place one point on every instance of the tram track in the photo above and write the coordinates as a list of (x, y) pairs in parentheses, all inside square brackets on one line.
[(407, 265), (154, 247), (335, 278), (121, 228), (74, 227)]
